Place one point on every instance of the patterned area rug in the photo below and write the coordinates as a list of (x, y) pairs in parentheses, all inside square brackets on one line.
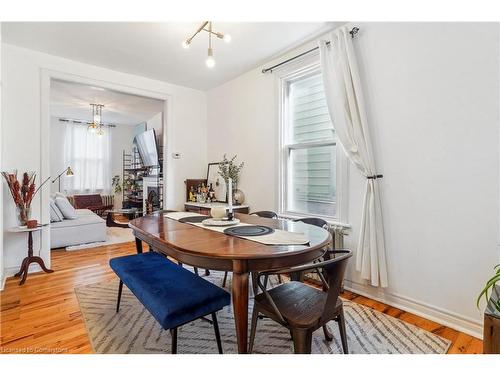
[(134, 330)]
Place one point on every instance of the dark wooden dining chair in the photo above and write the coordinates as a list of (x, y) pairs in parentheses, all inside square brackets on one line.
[(267, 214), (302, 308), (316, 221)]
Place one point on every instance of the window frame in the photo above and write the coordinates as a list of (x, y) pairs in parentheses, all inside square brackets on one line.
[(305, 68)]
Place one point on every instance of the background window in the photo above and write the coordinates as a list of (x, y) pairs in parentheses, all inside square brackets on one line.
[(309, 148)]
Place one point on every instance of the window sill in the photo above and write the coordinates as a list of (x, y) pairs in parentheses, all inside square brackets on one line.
[(331, 221)]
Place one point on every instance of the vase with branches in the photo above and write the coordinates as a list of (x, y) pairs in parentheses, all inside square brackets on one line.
[(22, 192), (230, 169)]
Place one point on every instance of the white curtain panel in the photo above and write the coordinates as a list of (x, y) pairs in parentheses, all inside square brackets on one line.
[(346, 107), (89, 156)]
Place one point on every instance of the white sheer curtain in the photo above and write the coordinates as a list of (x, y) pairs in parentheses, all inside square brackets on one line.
[(89, 156), (346, 107)]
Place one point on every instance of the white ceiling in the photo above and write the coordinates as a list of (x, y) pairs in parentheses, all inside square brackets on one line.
[(72, 100), (154, 49)]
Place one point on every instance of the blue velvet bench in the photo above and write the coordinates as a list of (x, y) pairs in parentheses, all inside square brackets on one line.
[(172, 294)]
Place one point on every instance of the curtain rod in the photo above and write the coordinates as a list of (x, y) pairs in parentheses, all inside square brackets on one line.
[(84, 122), (353, 33)]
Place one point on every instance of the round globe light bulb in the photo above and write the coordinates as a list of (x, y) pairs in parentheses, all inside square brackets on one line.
[(210, 61), (185, 44), (227, 38)]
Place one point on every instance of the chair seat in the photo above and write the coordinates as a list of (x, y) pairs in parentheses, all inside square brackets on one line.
[(172, 294), (301, 305)]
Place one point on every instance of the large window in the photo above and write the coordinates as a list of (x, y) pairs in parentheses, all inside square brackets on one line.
[(89, 155), (309, 150)]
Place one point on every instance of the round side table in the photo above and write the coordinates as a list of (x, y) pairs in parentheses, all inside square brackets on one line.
[(30, 258)]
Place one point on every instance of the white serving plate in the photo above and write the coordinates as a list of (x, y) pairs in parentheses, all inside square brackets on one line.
[(220, 223)]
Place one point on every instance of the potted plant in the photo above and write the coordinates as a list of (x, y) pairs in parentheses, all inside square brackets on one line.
[(116, 184), (229, 169), (491, 293)]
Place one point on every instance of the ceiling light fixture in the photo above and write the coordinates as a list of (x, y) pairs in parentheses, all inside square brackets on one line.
[(96, 126), (207, 26)]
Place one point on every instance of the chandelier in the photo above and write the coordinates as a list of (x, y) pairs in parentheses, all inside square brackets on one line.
[(96, 126), (207, 26)]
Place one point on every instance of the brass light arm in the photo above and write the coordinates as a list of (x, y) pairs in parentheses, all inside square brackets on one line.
[(202, 27), (217, 34)]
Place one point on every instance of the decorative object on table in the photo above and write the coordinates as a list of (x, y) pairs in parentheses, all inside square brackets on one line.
[(31, 224), (491, 335), (211, 194), (22, 193), (192, 195), (192, 187), (239, 197), (215, 180), (220, 223), (218, 212), (230, 213), (69, 173), (201, 193), (249, 230), (230, 170), (207, 26), (30, 258)]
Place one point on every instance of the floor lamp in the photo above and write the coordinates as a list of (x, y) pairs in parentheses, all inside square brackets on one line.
[(69, 173)]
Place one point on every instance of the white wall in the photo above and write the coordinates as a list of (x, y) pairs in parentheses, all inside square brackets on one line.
[(432, 94), (2, 274), (25, 147)]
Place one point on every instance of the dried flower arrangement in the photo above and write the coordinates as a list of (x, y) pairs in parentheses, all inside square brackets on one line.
[(22, 193)]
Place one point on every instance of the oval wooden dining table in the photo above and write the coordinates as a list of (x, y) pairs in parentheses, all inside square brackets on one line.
[(212, 250)]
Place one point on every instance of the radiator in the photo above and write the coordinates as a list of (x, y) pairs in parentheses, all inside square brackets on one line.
[(338, 232), (108, 199)]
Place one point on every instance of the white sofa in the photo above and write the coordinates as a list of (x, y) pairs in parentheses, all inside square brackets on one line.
[(86, 228)]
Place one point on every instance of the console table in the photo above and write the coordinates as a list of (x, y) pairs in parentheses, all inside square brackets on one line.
[(25, 265), (204, 208)]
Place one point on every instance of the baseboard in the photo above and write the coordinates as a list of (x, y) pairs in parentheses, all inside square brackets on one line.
[(2, 282), (448, 318)]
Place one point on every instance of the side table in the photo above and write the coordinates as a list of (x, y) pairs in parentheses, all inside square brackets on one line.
[(30, 258), (110, 220)]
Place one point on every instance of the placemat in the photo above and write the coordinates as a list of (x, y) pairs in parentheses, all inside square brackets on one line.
[(278, 237)]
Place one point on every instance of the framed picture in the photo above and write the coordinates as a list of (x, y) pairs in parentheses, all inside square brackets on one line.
[(218, 183)]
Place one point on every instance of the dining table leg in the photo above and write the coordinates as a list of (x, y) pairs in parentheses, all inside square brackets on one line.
[(240, 308), (138, 245)]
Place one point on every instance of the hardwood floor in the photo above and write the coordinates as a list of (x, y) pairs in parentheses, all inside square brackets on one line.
[(43, 315)]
